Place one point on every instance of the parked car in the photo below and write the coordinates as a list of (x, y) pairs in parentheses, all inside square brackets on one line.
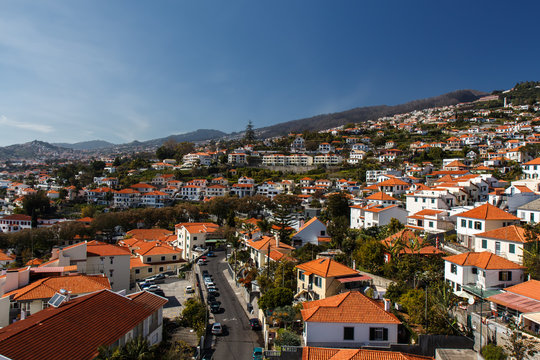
[(210, 298), (217, 329), (209, 284), (212, 288), (201, 262), (152, 288), (213, 291), (214, 307), (255, 324), (211, 254), (146, 284), (189, 289), (157, 279), (205, 272), (258, 353), (199, 248)]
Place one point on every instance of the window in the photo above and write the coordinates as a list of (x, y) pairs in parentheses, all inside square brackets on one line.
[(433, 201), (415, 199), (431, 224), (148, 259), (424, 200), (477, 225), (323, 233), (532, 217), (484, 244), (474, 270), (505, 276), (512, 248), (378, 334), (137, 271), (112, 259), (301, 275), (174, 257), (194, 238), (163, 258), (149, 270), (470, 224), (161, 269), (318, 281), (453, 268), (348, 333), (463, 223)]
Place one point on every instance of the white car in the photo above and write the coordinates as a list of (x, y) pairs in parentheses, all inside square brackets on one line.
[(151, 288), (189, 290), (210, 284)]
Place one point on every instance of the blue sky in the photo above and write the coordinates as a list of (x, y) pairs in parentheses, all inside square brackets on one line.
[(137, 70)]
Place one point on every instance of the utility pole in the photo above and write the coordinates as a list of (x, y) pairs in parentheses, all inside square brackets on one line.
[(426, 308), (481, 311)]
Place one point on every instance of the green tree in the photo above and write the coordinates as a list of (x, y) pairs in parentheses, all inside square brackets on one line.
[(413, 302), (36, 205), (287, 338), (249, 134), (276, 297), (370, 256), (194, 315), (493, 352), (285, 205)]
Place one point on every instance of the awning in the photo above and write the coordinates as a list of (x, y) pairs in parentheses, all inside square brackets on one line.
[(517, 302), (483, 294), (354, 279), (464, 294), (213, 241), (534, 317)]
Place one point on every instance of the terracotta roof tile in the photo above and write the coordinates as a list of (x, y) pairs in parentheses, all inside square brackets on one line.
[(530, 289), (509, 233), (314, 353), (381, 196), (349, 307), (77, 328), (487, 212), (326, 268), (484, 260)]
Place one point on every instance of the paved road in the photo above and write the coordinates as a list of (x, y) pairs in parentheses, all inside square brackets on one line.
[(238, 344)]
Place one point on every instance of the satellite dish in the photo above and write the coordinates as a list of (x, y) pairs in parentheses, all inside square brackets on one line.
[(471, 301)]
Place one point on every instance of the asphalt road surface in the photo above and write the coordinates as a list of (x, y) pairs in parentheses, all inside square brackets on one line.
[(239, 340)]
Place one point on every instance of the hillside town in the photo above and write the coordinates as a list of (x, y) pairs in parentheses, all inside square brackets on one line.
[(413, 236)]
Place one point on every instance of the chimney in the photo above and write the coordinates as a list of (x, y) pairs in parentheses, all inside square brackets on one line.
[(277, 241), (387, 304)]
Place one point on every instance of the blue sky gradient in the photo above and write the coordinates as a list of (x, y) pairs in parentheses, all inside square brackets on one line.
[(137, 70)]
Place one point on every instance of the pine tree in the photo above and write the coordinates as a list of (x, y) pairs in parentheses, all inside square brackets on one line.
[(249, 135)]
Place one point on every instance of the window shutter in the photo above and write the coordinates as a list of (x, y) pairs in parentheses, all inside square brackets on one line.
[(371, 334), (500, 276), (509, 276), (385, 334)]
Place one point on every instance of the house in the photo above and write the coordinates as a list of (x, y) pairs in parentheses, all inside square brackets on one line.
[(363, 217), (507, 242), (269, 189), (243, 189), (531, 169), (476, 273), (143, 187), (321, 278), (382, 199), (349, 320), (237, 158), (153, 257), (6, 259), (102, 318), (481, 219), (126, 198), (318, 353), (155, 199), (192, 192), (94, 257), (393, 186), (313, 232), (216, 190), (191, 235), (265, 248), (14, 223), (518, 195), (430, 221), (521, 300), (33, 297), (530, 212)]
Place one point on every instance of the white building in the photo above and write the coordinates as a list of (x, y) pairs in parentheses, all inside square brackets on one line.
[(476, 271), (313, 232), (481, 219), (348, 320), (531, 169), (363, 217), (507, 242), (192, 235), (530, 212)]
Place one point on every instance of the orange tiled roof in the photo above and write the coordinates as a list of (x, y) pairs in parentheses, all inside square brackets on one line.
[(5, 257), (530, 289), (392, 182), (136, 262), (533, 162), (262, 244), (349, 307), (156, 248), (201, 227), (98, 248), (314, 353), (102, 318), (381, 196), (509, 233), (311, 221), (484, 260), (487, 212), (326, 268), (34, 262), (47, 287)]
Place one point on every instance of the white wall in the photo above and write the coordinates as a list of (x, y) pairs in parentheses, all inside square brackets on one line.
[(517, 257), (331, 334)]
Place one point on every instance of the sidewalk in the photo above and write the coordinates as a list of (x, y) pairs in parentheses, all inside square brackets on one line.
[(240, 295)]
